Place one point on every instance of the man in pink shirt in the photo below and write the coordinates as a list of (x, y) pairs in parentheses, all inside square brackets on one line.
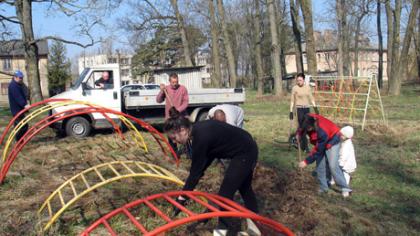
[(176, 96)]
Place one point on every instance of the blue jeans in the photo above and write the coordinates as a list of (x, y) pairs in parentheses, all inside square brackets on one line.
[(327, 167)]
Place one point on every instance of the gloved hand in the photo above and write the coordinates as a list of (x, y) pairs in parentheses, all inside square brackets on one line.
[(316, 110), (182, 202), (291, 115)]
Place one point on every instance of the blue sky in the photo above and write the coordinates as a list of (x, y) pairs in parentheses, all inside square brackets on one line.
[(50, 22)]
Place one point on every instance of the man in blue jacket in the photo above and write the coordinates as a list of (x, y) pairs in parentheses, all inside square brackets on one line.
[(17, 101)]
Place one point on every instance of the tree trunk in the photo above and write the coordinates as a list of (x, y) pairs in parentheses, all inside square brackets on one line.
[(390, 33), (403, 62), (294, 13), (395, 79), (356, 47), (228, 45), (356, 39), (340, 13), (24, 14), (380, 49), (217, 74), (417, 44), (309, 36), (275, 49), (258, 41), (182, 32)]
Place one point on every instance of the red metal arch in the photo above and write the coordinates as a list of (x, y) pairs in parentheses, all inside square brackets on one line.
[(46, 101), (45, 122), (216, 206)]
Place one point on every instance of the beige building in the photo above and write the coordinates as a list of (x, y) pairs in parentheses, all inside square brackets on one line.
[(327, 62), (12, 59)]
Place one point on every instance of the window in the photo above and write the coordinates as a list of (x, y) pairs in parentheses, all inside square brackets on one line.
[(7, 64), (97, 75), (4, 88)]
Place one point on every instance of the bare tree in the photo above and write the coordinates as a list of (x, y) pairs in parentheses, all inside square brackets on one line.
[(228, 44), (258, 42), (306, 6), (217, 73), (390, 33), (403, 59), (361, 11), (380, 44), (182, 32), (399, 63), (23, 19), (275, 49), (341, 38), (294, 14), (417, 45)]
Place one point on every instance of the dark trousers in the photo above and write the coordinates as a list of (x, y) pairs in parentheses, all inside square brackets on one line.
[(301, 112), (23, 129), (238, 176)]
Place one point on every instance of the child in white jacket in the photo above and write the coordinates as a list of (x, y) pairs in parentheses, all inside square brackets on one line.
[(347, 157)]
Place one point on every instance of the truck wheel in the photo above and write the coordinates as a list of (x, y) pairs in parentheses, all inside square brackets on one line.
[(78, 127), (202, 116)]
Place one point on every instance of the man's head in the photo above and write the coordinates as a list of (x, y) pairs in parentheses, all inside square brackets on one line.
[(219, 115), (300, 79), (105, 75), (309, 124), (18, 76), (173, 80)]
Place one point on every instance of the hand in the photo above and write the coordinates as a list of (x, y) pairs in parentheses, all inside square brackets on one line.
[(101, 85), (26, 106), (302, 164), (316, 110), (291, 115), (162, 87)]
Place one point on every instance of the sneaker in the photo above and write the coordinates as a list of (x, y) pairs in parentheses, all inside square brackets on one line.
[(345, 194), (252, 229), (219, 232)]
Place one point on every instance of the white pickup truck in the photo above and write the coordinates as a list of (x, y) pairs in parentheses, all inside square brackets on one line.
[(138, 103)]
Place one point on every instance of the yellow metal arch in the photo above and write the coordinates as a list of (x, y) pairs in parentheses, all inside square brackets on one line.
[(142, 170), (139, 140)]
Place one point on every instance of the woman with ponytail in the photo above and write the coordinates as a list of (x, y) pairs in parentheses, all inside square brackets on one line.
[(213, 139)]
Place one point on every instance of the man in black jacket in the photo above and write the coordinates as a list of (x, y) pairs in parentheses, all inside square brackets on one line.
[(17, 101)]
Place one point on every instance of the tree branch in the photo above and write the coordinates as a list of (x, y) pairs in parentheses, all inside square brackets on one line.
[(93, 42), (10, 19)]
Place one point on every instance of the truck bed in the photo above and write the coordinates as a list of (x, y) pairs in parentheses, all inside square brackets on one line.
[(135, 99)]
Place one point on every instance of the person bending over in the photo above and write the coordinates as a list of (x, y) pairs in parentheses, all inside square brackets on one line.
[(213, 139)]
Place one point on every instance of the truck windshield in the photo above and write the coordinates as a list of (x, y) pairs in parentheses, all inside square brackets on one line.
[(80, 79)]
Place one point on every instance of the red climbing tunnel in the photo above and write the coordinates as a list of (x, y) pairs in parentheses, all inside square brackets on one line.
[(214, 206)]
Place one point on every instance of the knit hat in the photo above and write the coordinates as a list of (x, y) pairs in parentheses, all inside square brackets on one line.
[(19, 74), (347, 131)]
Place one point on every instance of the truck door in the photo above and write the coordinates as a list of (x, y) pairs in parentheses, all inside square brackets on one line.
[(100, 89)]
